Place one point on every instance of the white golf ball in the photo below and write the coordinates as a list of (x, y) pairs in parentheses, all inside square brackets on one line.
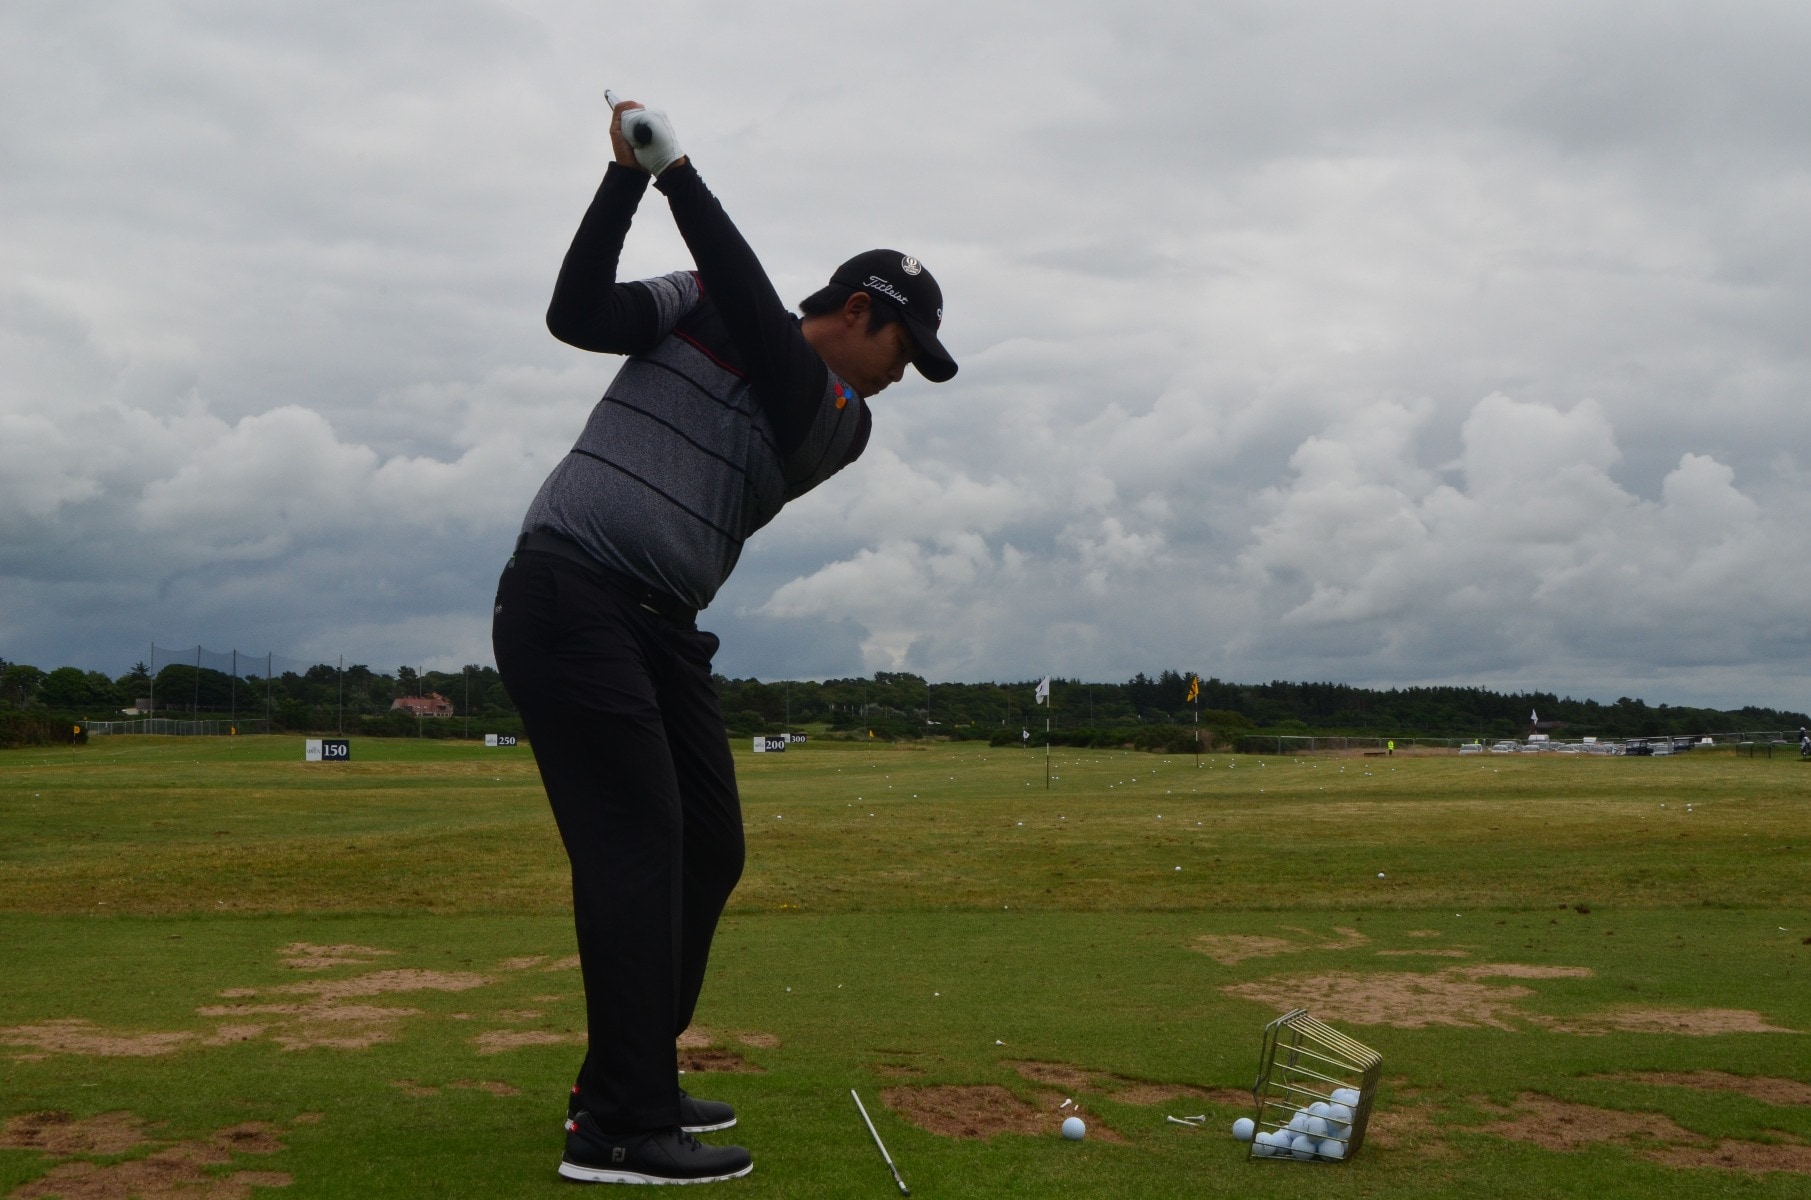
[(1074, 1129), (1262, 1145), (1347, 1096), (1244, 1128), (1299, 1122), (1331, 1149), (1341, 1113), (1304, 1146), (1315, 1127), (1321, 1108)]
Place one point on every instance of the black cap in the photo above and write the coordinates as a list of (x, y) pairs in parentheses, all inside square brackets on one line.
[(901, 280)]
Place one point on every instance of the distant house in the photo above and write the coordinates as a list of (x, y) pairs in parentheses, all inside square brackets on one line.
[(431, 705)]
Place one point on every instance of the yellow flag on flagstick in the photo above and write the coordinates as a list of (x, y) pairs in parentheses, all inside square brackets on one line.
[(1194, 689)]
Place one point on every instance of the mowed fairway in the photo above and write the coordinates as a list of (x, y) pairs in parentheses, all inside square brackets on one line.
[(228, 971)]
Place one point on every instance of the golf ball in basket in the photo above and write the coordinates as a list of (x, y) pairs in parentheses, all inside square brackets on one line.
[(1304, 1146), (1243, 1128), (1264, 1145), (1340, 1114), (1074, 1128), (1331, 1149), (1346, 1096)]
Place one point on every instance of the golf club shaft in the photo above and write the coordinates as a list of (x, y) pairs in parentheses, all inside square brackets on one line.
[(878, 1144)]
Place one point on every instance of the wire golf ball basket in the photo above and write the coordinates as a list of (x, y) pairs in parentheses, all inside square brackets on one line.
[(1313, 1093)]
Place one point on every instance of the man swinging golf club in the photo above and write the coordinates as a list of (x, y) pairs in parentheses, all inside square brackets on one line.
[(726, 408)]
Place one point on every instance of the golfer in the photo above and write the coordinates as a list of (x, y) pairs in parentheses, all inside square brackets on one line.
[(725, 408)]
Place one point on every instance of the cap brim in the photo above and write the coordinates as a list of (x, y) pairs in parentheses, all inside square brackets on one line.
[(932, 360)]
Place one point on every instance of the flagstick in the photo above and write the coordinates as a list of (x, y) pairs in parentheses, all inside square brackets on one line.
[(1049, 699)]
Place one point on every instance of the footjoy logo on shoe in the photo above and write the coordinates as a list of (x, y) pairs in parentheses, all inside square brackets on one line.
[(618, 1153)]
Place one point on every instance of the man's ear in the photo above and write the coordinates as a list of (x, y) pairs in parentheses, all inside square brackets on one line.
[(855, 308)]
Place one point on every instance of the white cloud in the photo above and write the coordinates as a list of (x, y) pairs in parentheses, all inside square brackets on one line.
[(1390, 342)]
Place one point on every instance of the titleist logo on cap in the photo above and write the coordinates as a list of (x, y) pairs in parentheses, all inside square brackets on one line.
[(877, 284)]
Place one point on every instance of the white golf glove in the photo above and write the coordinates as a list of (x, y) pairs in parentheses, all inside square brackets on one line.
[(652, 138)]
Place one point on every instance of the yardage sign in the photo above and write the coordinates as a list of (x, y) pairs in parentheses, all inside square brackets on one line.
[(499, 739), (326, 750), (773, 744)]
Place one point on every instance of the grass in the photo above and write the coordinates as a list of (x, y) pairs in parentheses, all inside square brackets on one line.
[(913, 916)]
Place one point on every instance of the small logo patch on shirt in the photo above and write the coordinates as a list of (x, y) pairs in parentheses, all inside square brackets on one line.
[(844, 394)]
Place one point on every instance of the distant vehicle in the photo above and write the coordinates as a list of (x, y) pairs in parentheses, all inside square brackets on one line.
[(1472, 748), (1504, 748)]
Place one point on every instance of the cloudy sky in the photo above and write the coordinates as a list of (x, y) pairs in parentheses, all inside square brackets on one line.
[(1387, 343)]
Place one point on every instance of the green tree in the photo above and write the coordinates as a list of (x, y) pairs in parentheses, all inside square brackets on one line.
[(19, 685)]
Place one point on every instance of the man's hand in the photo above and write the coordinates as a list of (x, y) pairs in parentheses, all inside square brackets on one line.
[(643, 137)]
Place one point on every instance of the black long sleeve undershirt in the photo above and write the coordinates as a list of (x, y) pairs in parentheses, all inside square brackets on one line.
[(592, 311), (785, 371)]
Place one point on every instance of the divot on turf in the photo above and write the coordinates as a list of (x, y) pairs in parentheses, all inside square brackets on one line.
[(75, 1035), (1231, 949), (1460, 997), (985, 1110), (61, 1135), (1766, 1089), (184, 1171), (1122, 1088), (306, 956)]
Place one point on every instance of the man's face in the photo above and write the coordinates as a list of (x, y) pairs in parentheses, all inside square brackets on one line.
[(878, 358)]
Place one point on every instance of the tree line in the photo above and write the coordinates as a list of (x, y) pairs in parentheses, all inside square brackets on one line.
[(889, 704)]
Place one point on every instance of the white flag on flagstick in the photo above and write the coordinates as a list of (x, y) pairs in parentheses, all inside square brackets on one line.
[(1043, 692)]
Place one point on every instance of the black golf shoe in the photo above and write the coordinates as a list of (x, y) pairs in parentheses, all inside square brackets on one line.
[(695, 1115), (662, 1156)]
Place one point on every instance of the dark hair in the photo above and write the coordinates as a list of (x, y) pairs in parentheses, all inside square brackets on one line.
[(831, 297)]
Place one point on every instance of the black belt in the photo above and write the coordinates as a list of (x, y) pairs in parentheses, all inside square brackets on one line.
[(652, 599)]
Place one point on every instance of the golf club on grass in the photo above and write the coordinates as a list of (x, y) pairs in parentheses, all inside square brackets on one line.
[(885, 1157)]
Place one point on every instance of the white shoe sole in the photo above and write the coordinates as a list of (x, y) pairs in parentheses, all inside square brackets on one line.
[(605, 1175), (717, 1128)]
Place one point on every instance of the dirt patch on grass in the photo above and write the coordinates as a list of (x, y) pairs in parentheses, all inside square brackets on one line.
[(1231, 949), (1061, 1075), (1402, 1000), (1408, 1129), (306, 956), (716, 1058), (985, 1110), (569, 963), (317, 1023), (381, 982), (496, 1041), (1554, 1124), (1424, 954), (1738, 1156), (522, 963), (184, 1171), (1122, 1088), (1422, 933), (1523, 971), (492, 1086), (760, 1041), (696, 1038), (73, 1035), (1766, 1090), (61, 1135), (1561, 1125), (1684, 1022), (409, 1087)]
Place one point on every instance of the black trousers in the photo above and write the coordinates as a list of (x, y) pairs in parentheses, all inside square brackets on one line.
[(629, 738)]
